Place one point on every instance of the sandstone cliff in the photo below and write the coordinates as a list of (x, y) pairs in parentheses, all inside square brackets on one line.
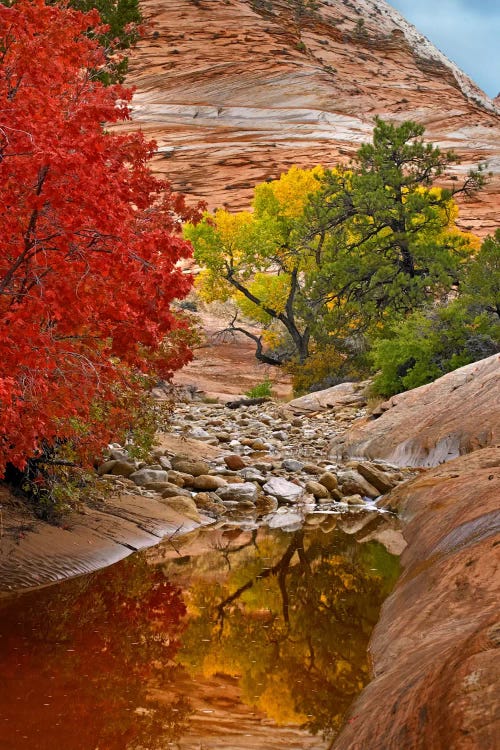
[(235, 92)]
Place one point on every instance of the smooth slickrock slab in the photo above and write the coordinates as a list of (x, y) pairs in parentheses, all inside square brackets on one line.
[(43, 554), (454, 415), (435, 648)]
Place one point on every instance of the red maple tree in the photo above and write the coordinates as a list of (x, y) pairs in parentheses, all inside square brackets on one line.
[(89, 239)]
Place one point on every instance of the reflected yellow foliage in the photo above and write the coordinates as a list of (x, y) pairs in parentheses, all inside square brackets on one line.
[(291, 618)]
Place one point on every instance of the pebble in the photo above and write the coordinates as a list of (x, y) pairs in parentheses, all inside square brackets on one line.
[(271, 462)]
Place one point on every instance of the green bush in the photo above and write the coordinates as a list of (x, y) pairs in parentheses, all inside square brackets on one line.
[(428, 345), (261, 390)]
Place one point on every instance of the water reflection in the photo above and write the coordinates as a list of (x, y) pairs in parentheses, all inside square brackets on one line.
[(267, 638)]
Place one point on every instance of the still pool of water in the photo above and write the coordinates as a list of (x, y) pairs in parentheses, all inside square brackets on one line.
[(226, 638)]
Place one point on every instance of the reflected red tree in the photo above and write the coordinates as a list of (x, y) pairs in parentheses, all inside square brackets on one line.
[(89, 664)]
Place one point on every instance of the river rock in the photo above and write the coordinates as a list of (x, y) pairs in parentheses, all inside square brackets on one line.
[(280, 435), (208, 482), (123, 468), (119, 454), (210, 503), (146, 476), (286, 491), (190, 466), (259, 445), (383, 481), (106, 467), (318, 490), (312, 469), (353, 499), (252, 474), (238, 492), (165, 463), (176, 477), (352, 483), (234, 462), (329, 481), (198, 433), (174, 491), (290, 464)]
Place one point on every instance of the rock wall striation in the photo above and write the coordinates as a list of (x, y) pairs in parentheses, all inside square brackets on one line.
[(235, 92)]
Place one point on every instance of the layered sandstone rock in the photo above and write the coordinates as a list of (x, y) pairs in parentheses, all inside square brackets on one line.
[(426, 426), (235, 92), (435, 647)]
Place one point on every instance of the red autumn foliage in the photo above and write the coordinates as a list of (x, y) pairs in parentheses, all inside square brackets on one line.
[(89, 239)]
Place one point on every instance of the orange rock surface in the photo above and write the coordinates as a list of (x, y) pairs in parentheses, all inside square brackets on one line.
[(426, 426), (435, 647), (236, 91)]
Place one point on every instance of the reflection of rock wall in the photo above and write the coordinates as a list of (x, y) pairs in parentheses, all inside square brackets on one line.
[(435, 648), (236, 92)]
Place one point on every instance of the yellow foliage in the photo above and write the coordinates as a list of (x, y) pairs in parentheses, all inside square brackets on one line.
[(290, 191), (320, 364), (271, 290), (272, 338), (212, 287), (232, 230)]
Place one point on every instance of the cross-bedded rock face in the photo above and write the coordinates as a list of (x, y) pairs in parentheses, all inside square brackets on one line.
[(236, 91)]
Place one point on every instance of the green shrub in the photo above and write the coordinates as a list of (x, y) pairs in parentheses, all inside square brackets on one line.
[(261, 390), (428, 345)]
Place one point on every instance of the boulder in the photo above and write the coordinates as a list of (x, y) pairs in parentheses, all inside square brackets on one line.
[(146, 476), (312, 469), (283, 490), (352, 483), (176, 477), (210, 503), (252, 474), (106, 467), (318, 490), (238, 492), (234, 462), (174, 491), (351, 394), (259, 445), (207, 482), (383, 481), (198, 433), (328, 480), (291, 464), (190, 466)]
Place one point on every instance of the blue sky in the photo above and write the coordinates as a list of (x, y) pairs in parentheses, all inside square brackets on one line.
[(467, 31)]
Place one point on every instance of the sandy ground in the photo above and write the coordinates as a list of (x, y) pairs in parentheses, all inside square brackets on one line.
[(224, 365)]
